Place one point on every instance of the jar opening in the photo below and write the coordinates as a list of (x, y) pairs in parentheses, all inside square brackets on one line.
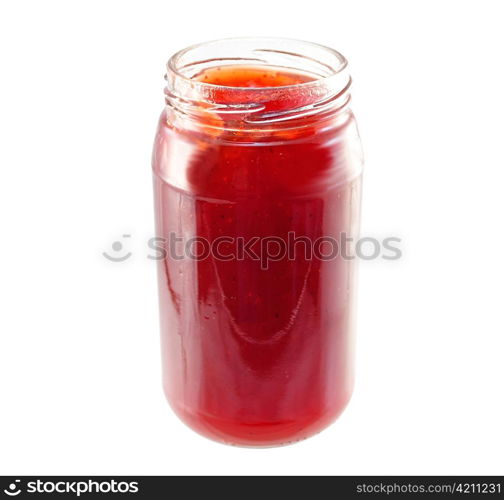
[(310, 79), (318, 61)]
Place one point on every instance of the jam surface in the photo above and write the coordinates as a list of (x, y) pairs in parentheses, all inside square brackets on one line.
[(251, 77), (257, 352)]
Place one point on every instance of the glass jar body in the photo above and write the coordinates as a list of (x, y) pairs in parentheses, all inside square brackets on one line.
[(256, 277)]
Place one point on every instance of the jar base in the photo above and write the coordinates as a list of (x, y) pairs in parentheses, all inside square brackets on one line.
[(264, 435)]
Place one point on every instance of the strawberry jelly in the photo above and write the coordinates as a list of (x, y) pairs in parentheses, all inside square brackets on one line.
[(257, 342)]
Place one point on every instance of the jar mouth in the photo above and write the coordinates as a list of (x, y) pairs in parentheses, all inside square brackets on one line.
[(323, 64), (321, 86)]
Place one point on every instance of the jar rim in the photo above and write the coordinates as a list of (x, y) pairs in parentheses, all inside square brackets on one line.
[(335, 63)]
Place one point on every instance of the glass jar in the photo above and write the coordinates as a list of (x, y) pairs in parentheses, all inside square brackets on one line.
[(257, 174)]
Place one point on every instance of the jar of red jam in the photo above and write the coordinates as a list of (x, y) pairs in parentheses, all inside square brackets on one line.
[(257, 175)]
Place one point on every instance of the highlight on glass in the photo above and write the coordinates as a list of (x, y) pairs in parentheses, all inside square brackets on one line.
[(257, 142)]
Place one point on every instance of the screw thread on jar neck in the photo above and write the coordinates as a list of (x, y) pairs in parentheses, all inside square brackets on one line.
[(312, 84)]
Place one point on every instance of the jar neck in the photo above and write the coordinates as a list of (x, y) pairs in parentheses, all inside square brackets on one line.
[(274, 84)]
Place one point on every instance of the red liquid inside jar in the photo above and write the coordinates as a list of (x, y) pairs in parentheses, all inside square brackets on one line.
[(257, 342)]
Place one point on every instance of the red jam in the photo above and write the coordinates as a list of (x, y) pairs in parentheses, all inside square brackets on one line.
[(249, 76), (257, 352)]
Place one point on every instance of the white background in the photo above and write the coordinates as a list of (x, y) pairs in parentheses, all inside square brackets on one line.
[(81, 91)]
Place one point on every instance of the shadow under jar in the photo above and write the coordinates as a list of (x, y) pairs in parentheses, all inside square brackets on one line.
[(257, 174)]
